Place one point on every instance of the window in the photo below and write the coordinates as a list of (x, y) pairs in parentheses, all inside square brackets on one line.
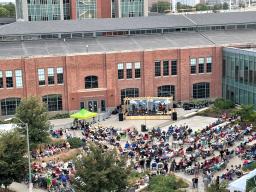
[(1, 80), (103, 105), (250, 76), (120, 68), (41, 77), (192, 66), (165, 68), (201, 90), (53, 102), (129, 92), (157, 68), (18, 77), (9, 79), (50, 76), (246, 74), (60, 79), (9, 105), (91, 82), (201, 65), (128, 70), (208, 65), (174, 67), (236, 73), (166, 91), (137, 70)]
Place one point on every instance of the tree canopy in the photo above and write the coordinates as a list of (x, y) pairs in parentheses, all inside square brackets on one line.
[(33, 112), (7, 10), (101, 171), (202, 7), (13, 164), (246, 112)]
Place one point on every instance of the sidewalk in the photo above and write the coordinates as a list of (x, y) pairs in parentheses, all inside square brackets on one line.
[(21, 187)]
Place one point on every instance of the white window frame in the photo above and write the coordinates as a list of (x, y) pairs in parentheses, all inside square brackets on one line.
[(18, 78), (120, 66), (193, 61)]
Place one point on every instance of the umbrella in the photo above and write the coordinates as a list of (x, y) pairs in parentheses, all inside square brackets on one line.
[(83, 114)]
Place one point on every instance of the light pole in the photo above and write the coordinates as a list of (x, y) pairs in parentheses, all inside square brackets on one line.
[(30, 184)]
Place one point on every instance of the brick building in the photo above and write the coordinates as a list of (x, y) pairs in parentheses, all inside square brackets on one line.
[(48, 10), (99, 62)]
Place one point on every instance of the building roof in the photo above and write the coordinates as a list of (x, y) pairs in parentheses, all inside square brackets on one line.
[(174, 40), (118, 24), (224, 18), (7, 20), (93, 25)]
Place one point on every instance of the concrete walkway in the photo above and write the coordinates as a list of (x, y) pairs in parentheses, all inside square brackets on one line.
[(22, 187)]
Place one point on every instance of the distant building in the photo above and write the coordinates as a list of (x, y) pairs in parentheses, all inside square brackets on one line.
[(96, 63), (129, 8), (188, 2), (44, 10)]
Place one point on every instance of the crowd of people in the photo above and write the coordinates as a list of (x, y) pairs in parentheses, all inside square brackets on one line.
[(49, 150), (160, 151), (54, 175)]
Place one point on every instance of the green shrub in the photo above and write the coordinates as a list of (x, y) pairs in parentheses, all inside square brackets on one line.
[(60, 116), (250, 167), (250, 184), (75, 142), (169, 183), (223, 104), (222, 187)]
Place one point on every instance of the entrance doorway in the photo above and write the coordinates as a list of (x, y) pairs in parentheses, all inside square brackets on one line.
[(93, 106)]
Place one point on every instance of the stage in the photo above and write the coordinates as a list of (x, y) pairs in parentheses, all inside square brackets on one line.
[(148, 117), (148, 108)]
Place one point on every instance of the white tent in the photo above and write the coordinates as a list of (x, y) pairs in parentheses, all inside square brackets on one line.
[(240, 184), (7, 127)]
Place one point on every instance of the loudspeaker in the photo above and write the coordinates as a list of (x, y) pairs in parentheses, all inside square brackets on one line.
[(143, 128), (174, 116), (121, 116), (174, 105)]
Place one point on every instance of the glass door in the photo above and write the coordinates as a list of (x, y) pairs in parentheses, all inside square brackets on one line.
[(93, 106)]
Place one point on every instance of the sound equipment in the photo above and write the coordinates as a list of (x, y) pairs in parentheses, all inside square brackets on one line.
[(121, 116), (143, 128), (174, 116)]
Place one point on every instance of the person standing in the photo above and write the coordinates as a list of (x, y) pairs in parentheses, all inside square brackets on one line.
[(205, 181)]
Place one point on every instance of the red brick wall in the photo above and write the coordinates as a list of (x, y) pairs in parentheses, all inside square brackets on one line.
[(104, 9), (77, 67), (73, 9)]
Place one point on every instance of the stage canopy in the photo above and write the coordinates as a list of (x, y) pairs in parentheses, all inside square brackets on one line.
[(239, 185), (83, 114)]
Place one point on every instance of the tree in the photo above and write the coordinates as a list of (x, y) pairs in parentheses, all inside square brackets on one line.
[(246, 112), (13, 164), (201, 7), (4, 12), (11, 8), (225, 6), (101, 171), (182, 7), (160, 7), (223, 104), (33, 112)]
